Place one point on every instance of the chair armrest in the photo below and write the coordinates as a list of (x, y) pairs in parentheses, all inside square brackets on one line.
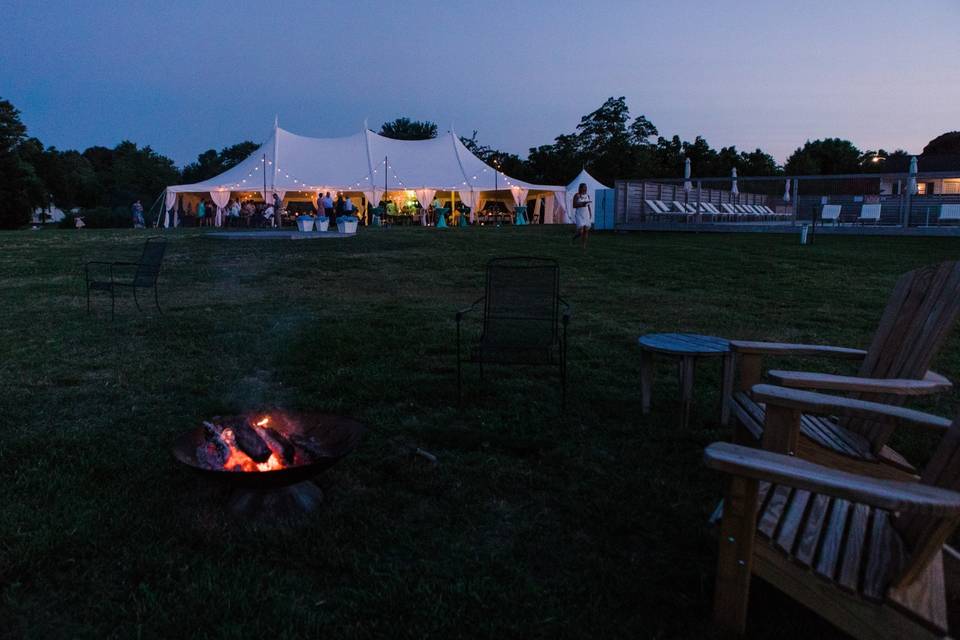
[(823, 404), (466, 310), (893, 495), (932, 382), (786, 349)]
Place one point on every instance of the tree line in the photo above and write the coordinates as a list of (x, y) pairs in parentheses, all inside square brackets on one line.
[(608, 142)]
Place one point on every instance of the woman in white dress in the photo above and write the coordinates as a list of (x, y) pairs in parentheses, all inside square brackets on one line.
[(582, 214)]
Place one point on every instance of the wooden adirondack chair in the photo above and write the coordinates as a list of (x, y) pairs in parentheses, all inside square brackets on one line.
[(867, 554), (922, 310)]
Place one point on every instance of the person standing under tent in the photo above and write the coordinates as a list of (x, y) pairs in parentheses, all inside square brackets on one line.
[(277, 208), (582, 214), (138, 222), (348, 207), (338, 208), (327, 204), (201, 213), (233, 212)]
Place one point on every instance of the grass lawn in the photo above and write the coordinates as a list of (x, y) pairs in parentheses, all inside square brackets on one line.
[(592, 524)]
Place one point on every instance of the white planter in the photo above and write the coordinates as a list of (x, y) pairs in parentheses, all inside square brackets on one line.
[(305, 224), (323, 225), (349, 226)]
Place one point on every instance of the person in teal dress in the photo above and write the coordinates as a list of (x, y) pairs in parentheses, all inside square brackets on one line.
[(201, 212)]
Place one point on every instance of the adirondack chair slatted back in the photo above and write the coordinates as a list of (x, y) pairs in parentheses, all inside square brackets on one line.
[(522, 302), (922, 310), (148, 268), (923, 535)]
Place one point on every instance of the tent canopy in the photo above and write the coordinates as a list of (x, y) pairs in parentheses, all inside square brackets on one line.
[(582, 178), (362, 162)]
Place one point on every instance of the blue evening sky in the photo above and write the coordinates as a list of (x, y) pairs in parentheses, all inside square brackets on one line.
[(187, 76)]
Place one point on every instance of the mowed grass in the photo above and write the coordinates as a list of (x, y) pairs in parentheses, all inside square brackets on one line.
[(533, 524)]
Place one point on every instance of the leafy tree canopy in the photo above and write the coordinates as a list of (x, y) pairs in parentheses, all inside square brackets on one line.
[(407, 129), (825, 157)]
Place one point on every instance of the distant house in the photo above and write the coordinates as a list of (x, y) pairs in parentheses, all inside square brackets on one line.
[(941, 162)]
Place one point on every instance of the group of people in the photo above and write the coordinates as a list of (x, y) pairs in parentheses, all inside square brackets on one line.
[(333, 209)]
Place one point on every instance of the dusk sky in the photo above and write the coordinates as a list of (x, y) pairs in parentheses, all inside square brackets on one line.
[(187, 76)]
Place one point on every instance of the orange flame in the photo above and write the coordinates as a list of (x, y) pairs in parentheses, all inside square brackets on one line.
[(237, 460)]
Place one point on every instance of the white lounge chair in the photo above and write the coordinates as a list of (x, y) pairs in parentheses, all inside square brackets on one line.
[(869, 213), (729, 210), (830, 213), (949, 213), (770, 212), (657, 207), (708, 209), (682, 209)]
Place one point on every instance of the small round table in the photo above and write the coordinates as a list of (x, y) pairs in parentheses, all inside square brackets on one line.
[(687, 347)]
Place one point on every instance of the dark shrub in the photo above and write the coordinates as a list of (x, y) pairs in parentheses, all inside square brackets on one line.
[(100, 218)]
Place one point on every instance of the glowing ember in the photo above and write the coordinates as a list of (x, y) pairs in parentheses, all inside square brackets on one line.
[(242, 445)]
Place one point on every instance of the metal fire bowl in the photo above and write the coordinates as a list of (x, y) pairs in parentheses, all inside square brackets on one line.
[(338, 436)]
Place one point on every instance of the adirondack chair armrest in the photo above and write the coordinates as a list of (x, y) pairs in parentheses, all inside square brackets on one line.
[(824, 404), (747, 347), (466, 310), (893, 495), (932, 382)]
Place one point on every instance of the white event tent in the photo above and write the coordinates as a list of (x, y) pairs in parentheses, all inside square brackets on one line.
[(365, 164), (582, 178)]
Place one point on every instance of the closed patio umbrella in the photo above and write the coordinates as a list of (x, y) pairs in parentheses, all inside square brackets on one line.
[(733, 187), (912, 183), (786, 191), (686, 175)]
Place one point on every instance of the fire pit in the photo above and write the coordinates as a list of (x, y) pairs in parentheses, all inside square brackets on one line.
[(269, 458)]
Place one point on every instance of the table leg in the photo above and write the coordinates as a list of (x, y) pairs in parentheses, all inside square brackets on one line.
[(646, 380), (726, 388), (686, 388)]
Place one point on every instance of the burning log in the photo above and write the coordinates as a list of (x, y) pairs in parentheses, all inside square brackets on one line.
[(312, 449), (278, 443), (250, 442), (214, 452)]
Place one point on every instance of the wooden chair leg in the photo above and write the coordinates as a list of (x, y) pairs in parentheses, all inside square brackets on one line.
[(735, 557), (726, 388)]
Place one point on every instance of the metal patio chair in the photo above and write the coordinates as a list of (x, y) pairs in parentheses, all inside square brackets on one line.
[(522, 319), (142, 274)]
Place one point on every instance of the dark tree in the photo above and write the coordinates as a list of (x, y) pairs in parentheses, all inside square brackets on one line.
[(824, 157), (18, 180), (407, 129), (210, 163), (642, 130), (945, 143), (509, 163)]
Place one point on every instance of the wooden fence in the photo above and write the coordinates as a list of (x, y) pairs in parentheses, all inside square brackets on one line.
[(630, 206)]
